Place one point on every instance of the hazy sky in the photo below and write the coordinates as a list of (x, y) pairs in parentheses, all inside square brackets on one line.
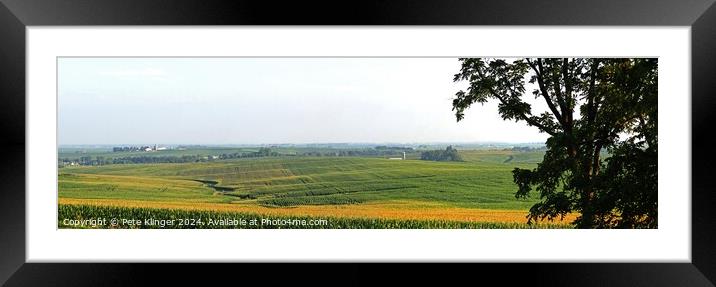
[(270, 100)]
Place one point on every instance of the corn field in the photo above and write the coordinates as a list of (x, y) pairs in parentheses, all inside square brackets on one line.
[(200, 219)]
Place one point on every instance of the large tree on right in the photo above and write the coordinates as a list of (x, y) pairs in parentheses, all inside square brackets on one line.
[(601, 117)]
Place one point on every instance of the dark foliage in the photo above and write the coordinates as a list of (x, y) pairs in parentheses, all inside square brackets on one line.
[(449, 154), (615, 101)]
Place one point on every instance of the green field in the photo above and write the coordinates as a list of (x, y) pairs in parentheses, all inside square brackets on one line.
[(477, 191)]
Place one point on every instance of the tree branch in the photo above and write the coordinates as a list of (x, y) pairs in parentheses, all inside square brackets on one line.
[(527, 119), (567, 87), (647, 136), (591, 105), (557, 91), (545, 94)]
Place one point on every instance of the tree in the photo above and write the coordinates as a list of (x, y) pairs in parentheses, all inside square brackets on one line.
[(449, 154), (594, 106)]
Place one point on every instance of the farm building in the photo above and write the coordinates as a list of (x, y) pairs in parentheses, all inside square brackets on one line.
[(398, 158)]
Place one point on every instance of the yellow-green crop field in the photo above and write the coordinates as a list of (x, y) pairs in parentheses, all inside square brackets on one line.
[(348, 192)]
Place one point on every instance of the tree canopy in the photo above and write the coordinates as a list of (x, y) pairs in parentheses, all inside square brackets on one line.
[(449, 154), (593, 106)]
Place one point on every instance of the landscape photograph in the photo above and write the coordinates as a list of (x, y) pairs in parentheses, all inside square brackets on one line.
[(357, 143)]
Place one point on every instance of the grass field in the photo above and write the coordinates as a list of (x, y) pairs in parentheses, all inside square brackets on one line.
[(475, 193)]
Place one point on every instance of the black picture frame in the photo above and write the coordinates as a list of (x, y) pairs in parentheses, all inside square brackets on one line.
[(16, 15)]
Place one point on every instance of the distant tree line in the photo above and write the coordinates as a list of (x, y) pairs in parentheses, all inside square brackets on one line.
[(262, 152), (130, 148), (394, 148), (526, 149), (377, 151), (100, 160), (449, 154)]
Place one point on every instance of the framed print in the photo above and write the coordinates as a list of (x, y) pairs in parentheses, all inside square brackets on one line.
[(396, 132)]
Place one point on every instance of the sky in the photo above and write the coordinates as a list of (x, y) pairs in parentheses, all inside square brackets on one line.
[(272, 100)]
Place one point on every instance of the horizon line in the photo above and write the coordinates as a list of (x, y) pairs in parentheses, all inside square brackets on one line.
[(305, 143)]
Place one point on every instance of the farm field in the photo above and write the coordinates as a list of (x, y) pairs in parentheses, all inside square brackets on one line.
[(350, 192)]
